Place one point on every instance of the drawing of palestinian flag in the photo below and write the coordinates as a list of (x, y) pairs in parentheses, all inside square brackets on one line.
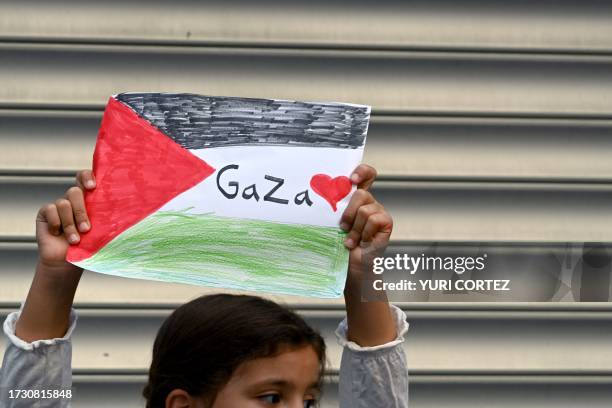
[(238, 193)]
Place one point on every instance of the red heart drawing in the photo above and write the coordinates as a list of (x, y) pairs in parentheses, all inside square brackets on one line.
[(331, 189)]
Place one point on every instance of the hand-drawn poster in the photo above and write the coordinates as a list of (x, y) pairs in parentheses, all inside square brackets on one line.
[(231, 192)]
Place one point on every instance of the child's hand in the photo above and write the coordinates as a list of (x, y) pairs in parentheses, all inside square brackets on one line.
[(367, 222), (60, 224)]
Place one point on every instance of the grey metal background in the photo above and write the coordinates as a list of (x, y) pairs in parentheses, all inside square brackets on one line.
[(491, 123)]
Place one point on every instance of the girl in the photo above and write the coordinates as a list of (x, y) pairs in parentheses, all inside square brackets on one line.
[(217, 351)]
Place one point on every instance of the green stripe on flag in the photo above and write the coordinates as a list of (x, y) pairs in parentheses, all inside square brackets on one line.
[(228, 252)]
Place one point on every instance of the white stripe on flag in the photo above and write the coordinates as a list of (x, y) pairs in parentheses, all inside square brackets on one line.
[(254, 163)]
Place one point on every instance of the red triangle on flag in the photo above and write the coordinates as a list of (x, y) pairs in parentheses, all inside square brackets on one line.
[(138, 169)]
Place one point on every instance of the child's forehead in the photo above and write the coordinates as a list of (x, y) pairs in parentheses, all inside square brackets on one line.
[(289, 366)]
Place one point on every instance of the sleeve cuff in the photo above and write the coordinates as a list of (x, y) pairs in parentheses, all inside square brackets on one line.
[(400, 323), (9, 330)]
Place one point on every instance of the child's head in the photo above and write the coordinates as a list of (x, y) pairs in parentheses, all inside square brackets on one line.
[(235, 351)]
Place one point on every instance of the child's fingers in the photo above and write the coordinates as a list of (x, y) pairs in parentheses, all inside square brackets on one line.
[(380, 222), (364, 176), (77, 201), (359, 198), (49, 215), (363, 214), (85, 180), (64, 208)]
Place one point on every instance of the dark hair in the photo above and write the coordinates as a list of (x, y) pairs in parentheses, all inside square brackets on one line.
[(201, 343)]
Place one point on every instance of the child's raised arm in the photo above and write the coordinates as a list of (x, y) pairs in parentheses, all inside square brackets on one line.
[(373, 368), (370, 322), (46, 311)]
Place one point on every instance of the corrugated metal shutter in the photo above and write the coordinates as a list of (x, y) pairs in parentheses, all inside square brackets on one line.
[(491, 123)]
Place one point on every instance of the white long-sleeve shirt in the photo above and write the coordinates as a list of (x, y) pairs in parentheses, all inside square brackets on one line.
[(370, 377)]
